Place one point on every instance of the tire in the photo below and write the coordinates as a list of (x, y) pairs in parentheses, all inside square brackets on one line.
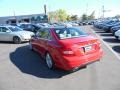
[(116, 37), (49, 61), (16, 40)]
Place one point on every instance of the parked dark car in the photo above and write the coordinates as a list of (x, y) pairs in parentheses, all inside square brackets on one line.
[(85, 23), (101, 24), (29, 27), (114, 29), (107, 27), (80, 23), (90, 22)]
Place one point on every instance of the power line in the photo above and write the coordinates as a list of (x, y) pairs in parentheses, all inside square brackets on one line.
[(104, 11)]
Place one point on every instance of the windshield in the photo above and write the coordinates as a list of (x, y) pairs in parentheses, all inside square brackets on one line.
[(70, 33), (15, 29)]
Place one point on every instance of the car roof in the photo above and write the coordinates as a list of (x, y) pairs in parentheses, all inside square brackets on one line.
[(52, 27), (62, 27), (7, 26), (58, 27)]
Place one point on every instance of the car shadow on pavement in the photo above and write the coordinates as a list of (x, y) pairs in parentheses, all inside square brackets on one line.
[(30, 62), (98, 30), (7, 42), (106, 34), (116, 48), (111, 40), (3, 42)]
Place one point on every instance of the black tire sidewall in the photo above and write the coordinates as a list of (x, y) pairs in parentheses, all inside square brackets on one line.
[(16, 40), (51, 61)]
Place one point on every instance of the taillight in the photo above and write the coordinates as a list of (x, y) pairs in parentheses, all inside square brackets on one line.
[(98, 44), (74, 50), (68, 52)]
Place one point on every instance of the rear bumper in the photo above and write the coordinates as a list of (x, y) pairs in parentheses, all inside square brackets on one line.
[(25, 39), (75, 61)]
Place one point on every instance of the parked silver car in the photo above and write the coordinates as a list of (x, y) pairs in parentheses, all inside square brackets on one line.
[(15, 34), (117, 34)]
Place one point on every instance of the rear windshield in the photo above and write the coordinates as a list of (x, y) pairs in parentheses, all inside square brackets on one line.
[(70, 33)]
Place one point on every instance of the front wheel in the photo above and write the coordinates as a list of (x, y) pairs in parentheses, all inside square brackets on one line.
[(16, 40), (49, 61)]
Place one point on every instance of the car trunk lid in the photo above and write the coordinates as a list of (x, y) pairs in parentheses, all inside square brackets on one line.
[(81, 45)]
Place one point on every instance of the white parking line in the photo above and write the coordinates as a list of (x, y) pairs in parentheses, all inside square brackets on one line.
[(107, 45), (112, 44)]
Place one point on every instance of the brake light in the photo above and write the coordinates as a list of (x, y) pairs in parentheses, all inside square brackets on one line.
[(98, 44), (68, 52)]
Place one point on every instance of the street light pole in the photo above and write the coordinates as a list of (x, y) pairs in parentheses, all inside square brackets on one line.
[(15, 17), (45, 9), (87, 11), (104, 11)]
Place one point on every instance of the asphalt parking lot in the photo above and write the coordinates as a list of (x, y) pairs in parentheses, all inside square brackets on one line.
[(22, 69), (109, 39)]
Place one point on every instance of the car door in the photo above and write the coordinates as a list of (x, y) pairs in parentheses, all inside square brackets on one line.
[(5, 34), (42, 41)]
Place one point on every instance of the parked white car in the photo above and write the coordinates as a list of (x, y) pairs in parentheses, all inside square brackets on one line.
[(14, 34), (117, 34)]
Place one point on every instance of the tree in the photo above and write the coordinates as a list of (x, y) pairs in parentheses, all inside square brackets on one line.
[(59, 15), (117, 16), (92, 16), (68, 18), (84, 17), (51, 15), (74, 17)]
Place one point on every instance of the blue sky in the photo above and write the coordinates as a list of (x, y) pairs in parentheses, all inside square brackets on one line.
[(23, 7)]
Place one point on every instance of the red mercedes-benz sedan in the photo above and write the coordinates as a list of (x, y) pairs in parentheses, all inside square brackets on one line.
[(67, 48)]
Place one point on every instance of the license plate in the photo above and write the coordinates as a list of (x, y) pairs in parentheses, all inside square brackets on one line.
[(88, 48)]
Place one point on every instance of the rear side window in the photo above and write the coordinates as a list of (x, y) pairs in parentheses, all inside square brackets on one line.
[(44, 33), (3, 29), (69, 33)]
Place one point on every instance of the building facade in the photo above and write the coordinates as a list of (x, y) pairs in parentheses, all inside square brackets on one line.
[(33, 18)]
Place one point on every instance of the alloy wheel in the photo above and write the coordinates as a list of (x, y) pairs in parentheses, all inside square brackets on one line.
[(49, 61)]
